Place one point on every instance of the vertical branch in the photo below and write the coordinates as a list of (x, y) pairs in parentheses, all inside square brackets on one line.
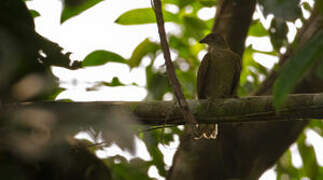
[(188, 116), (232, 21)]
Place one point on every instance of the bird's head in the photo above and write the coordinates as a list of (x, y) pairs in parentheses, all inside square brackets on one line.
[(215, 40)]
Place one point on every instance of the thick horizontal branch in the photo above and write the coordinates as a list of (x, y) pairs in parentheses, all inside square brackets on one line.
[(249, 109)]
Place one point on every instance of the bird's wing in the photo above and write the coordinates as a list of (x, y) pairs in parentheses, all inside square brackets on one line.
[(201, 76), (236, 75)]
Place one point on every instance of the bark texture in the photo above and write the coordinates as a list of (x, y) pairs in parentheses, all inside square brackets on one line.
[(244, 151), (84, 114)]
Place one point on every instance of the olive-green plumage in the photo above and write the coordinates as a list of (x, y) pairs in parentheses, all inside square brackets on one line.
[(218, 76)]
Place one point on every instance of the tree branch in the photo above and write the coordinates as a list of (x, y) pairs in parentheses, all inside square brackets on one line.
[(232, 21), (298, 107), (169, 65)]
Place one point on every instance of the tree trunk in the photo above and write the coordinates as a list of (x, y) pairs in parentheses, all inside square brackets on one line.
[(244, 150)]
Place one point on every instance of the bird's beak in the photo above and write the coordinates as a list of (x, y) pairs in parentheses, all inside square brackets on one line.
[(203, 40)]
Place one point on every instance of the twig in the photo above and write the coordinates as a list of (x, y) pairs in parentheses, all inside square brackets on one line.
[(157, 127), (188, 116)]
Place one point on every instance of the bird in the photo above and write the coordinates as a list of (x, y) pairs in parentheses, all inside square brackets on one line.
[(218, 77)]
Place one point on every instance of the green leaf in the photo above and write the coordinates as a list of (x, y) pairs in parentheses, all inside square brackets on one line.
[(209, 23), (73, 9), (249, 62), (310, 165), (287, 10), (100, 57), (257, 29), (179, 3), (278, 33), (143, 16), (296, 67), (144, 48), (151, 140), (246, 61), (56, 93), (115, 82), (34, 13), (317, 126), (188, 81), (123, 170), (208, 3), (307, 6), (194, 27), (285, 167), (180, 45), (157, 84)]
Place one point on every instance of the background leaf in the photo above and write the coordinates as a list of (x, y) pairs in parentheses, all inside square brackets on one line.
[(208, 3), (278, 33), (136, 169), (296, 68), (151, 140), (285, 167), (288, 10), (157, 84), (72, 9), (115, 82), (257, 29), (34, 13), (180, 3), (310, 166), (144, 48), (101, 57), (143, 16), (194, 27)]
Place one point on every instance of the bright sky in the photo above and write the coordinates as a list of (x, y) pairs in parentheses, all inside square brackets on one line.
[(95, 29)]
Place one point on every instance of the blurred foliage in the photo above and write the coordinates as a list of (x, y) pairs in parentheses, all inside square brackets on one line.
[(278, 33), (143, 16), (298, 65), (257, 29), (123, 170), (145, 48), (288, 10), (34, 13), (309, 168), (188, 53), (100, 57), (72, 8)]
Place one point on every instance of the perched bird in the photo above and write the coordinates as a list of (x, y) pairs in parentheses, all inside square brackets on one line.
[(218, 77)]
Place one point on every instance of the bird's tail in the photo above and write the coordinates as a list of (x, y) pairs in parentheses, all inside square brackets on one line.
[(205, 131)]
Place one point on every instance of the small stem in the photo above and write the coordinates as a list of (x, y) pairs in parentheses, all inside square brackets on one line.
[(188, 116)]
